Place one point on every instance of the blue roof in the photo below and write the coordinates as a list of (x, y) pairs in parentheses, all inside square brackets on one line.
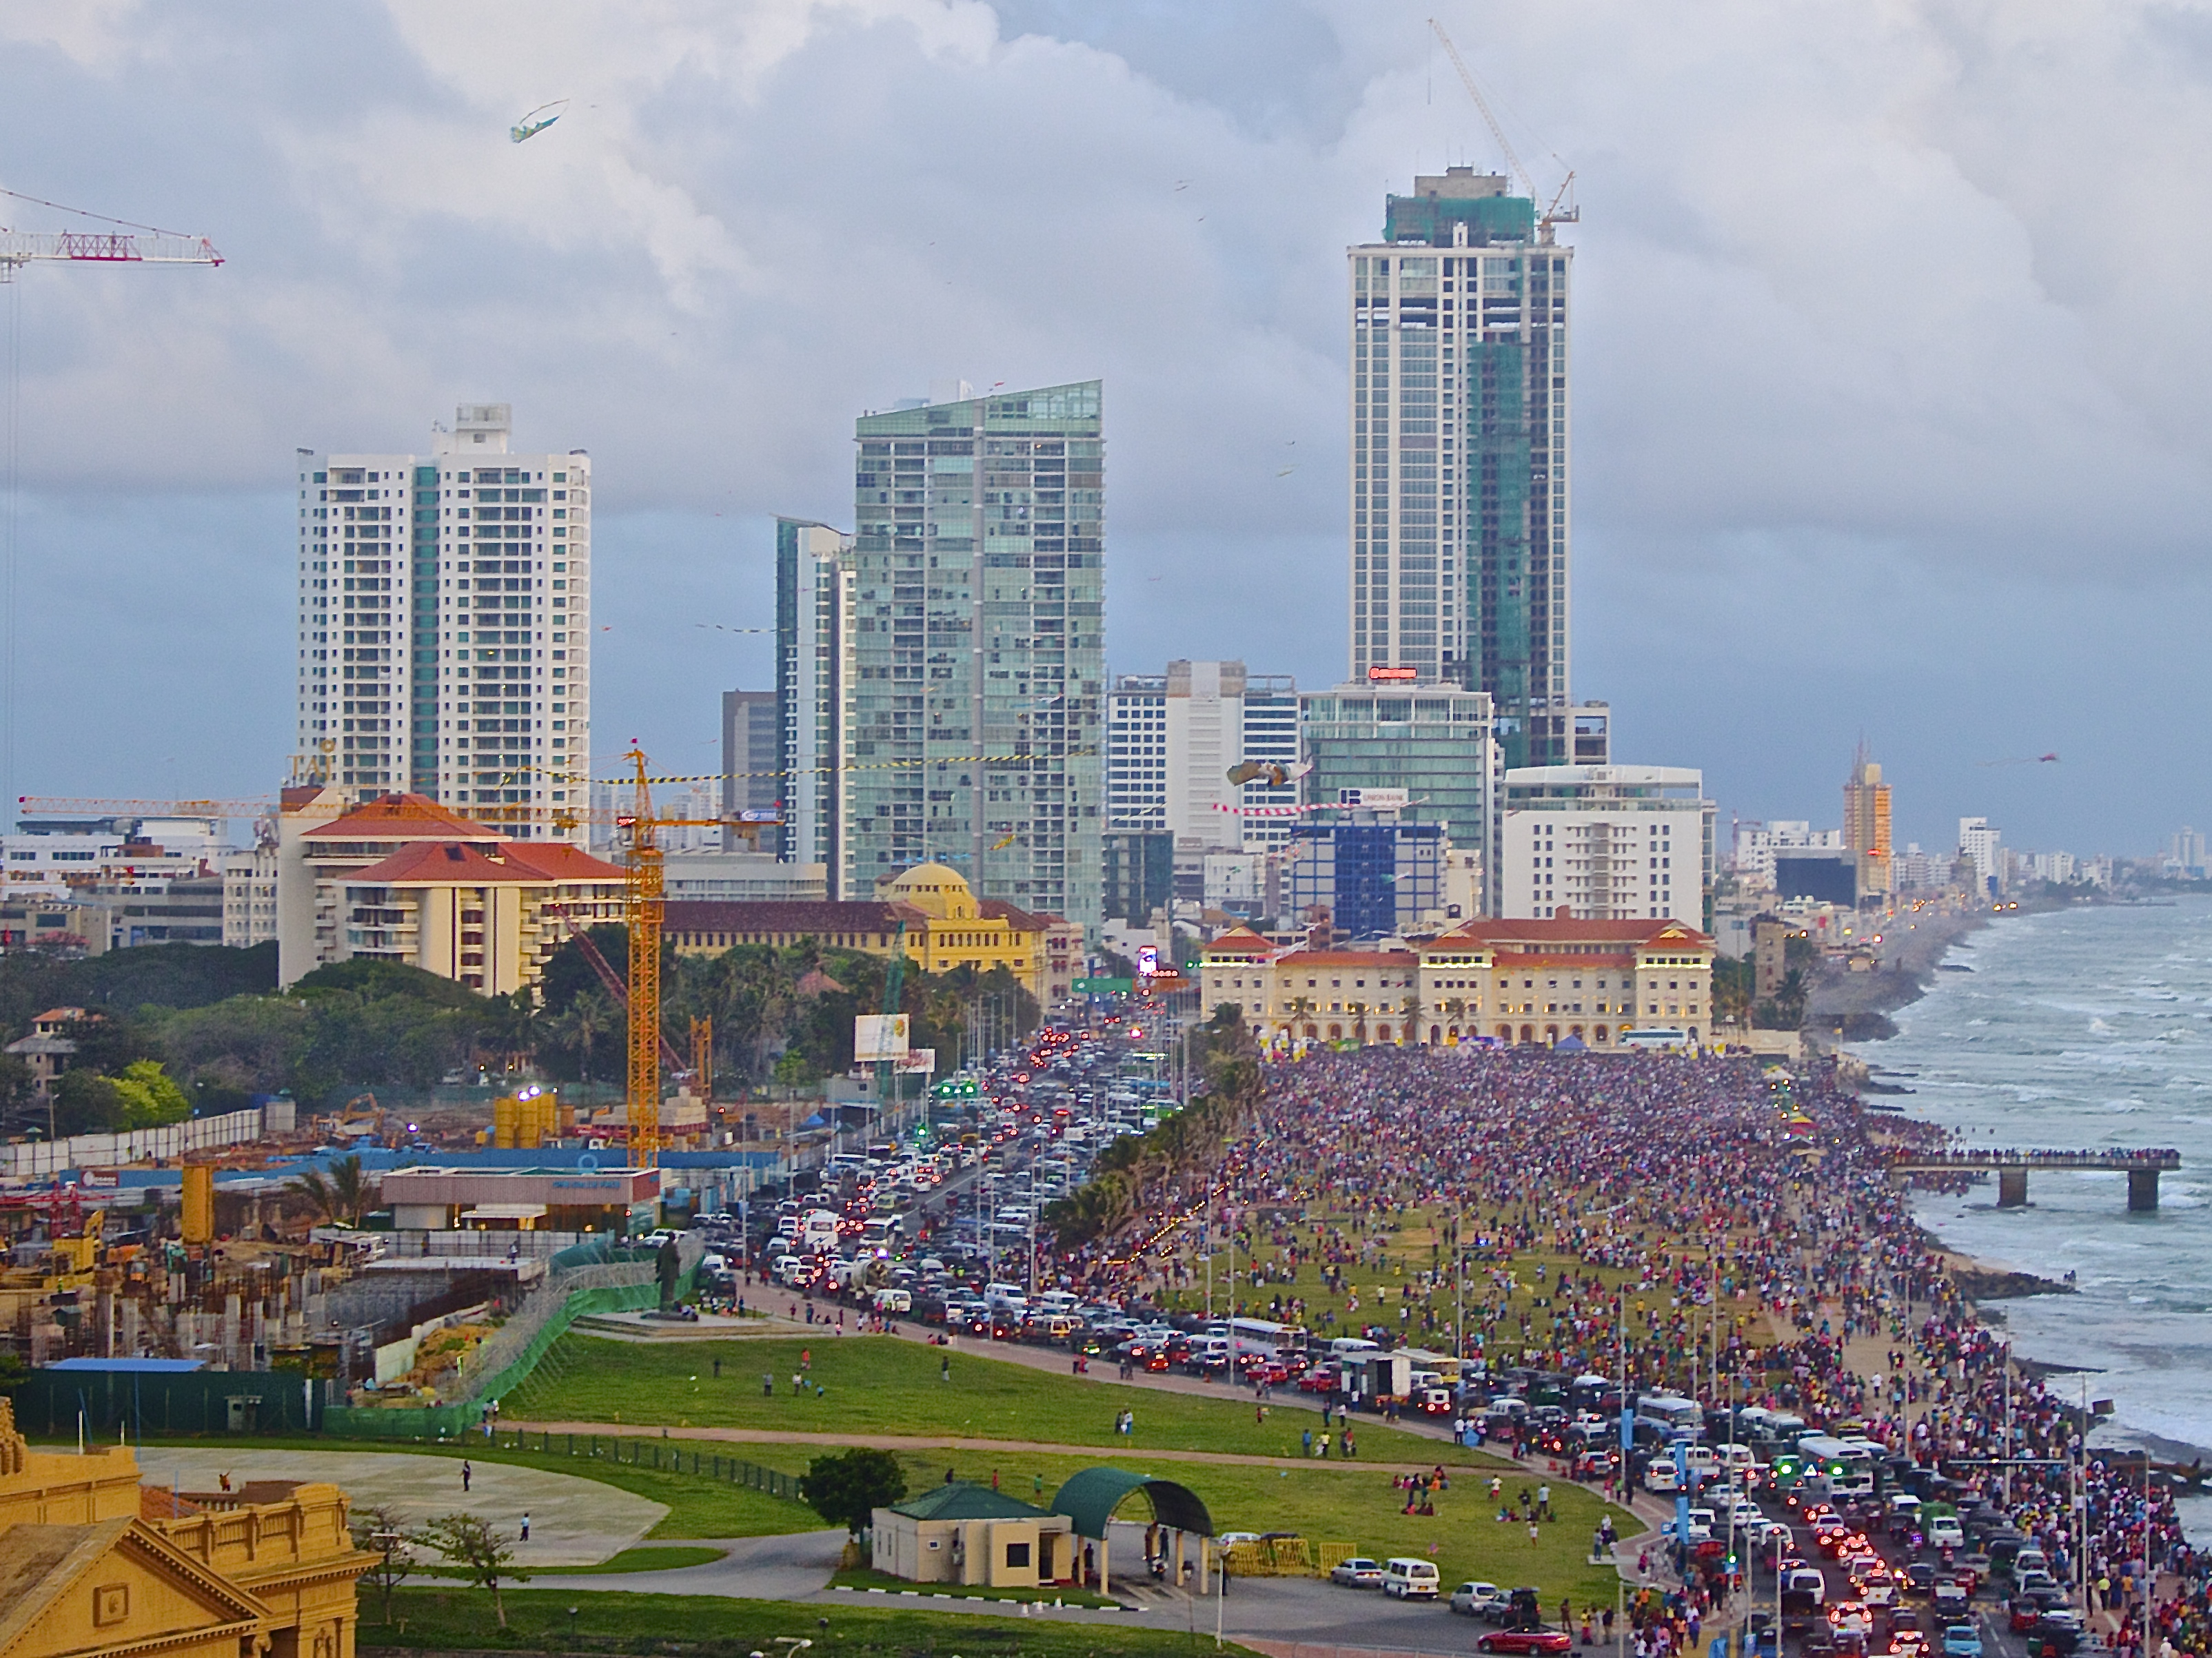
[(138, 1366)]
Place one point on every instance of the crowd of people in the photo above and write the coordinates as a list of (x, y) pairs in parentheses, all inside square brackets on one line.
[(1705, 1226)]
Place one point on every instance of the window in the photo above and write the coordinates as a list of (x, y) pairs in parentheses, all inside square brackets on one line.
[(1017, 1556)]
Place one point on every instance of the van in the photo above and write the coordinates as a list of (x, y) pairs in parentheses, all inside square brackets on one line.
[(1944, 1532), (894, 1300), (1342, 1345), (1409, 1579)]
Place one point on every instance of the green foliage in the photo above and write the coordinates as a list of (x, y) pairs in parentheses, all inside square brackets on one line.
[(151, 1099), (845, 1490), (343, 1196), (477, 1551), (123, 980), (86, 1103)]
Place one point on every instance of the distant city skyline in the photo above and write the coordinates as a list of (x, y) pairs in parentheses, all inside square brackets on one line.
[(1798, 517)]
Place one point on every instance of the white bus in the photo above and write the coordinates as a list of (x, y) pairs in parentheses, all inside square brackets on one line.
[(1673, 1415)]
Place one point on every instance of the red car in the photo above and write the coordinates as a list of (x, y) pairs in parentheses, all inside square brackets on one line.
[(1547, 1642)]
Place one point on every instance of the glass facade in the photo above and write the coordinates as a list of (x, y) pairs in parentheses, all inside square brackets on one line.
[(1433, 742), (973, 670), (1459, 535)]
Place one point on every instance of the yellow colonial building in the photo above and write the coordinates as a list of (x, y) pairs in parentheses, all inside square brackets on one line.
[(93, 1565), (945, 927), (1603, 985)]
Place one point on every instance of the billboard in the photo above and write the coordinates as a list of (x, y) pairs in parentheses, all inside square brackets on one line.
[(1375, 800), (878, 1038), (1148, 960), (1379, 673), (918, 1062)]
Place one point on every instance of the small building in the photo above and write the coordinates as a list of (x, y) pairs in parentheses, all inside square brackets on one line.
[(444, 1199), (960, 1533), (50, 1046)]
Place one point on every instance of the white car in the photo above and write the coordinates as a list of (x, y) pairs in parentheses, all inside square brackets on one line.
[(1473, 1600), (1359, 1573)]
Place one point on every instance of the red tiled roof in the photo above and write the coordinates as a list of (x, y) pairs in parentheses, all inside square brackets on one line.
[(1242, 940), (1554, 930), (401, 817), (471, 863), (800, 915), (1349, 958)]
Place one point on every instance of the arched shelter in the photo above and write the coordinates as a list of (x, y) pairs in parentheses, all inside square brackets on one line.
[(1089, 1499)]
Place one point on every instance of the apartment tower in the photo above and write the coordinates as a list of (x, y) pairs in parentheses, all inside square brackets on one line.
[(445, 625)]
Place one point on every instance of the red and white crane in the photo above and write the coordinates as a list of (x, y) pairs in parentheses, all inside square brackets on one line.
[(127, 244)]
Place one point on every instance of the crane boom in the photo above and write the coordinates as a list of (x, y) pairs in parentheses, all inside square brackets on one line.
[(23, 247), (643, 910), (1466, 78)]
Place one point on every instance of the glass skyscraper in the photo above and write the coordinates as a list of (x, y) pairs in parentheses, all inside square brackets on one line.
[(1459, 546), (970, 653)]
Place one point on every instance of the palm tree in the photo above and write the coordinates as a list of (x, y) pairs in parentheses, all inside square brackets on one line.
[(343, 1198), (1412, 1010), (1456, 1009), (590, 1016), (1301, 1009), (1358, 1012)]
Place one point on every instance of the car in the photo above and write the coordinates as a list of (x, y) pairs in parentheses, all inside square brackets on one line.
[(1546, 1641), (2055, 1632), (1962, 1641), (1849, 1618), (1358, 1572), (1473, 1600), (1920, 1576)]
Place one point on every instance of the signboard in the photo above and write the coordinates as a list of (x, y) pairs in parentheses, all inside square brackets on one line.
[(1375, 800), (1380, 672), (878, 1037), (1104, 987), (1148, 960), (918, 1062), (1165, 982)]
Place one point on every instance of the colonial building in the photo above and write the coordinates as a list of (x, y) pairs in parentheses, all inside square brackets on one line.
[(1544, 981), (928, 912), (95, 1565), (403, 879)]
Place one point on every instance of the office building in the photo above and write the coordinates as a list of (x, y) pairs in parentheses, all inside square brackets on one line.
[(1866, 828), (1428, 749), (1173, 741), (249, 897), (1138, 874), (752, 764), (1373, 877), (445, 624), (966, 706), (1459, 547), (813, 621), (1605, 843)]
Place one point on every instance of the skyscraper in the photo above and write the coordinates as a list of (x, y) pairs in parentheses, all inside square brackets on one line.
[(1866, 826), (968, 689), (1459, 546), (752, 759), (445, 623), (813, 619), (1173, 740)]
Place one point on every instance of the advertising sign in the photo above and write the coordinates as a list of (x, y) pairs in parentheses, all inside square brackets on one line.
[(1375, 800), (878, 1038)]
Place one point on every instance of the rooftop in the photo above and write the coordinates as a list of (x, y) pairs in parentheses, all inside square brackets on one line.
[(961, 1500)]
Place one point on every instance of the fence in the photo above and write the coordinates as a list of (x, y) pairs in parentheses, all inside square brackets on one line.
[(1286, 1557), (33, 1159), (648, 1452), (504, 1361)]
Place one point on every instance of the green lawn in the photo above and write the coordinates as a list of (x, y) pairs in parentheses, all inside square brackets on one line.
[(643, 1559), (447, 1620), (889, 1385), (1327, 1503)]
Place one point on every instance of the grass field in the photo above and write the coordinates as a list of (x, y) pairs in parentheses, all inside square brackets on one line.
[(889, 1385), (867, 1577), (539, 1621), (1325, 1503)]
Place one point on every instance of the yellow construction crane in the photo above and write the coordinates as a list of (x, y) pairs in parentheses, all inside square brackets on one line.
[(1555, 214), (645, 899)]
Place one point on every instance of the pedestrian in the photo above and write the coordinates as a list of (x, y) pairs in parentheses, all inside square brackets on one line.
[(945, 1368), (526, 1525), (1307, 1439), (718, 1370), (467, 1474), (768, 1384), (1544, 1501), (1532, 1534)]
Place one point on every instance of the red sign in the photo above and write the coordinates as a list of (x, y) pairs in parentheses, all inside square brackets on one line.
[(1394, 673)]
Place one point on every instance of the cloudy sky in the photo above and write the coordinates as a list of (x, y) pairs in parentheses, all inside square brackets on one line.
[(1891, 345)]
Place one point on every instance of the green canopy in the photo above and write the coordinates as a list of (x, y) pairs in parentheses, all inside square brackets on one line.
[(1090, 1498)]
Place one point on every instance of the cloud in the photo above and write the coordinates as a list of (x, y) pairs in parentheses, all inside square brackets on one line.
[(1902, 294)]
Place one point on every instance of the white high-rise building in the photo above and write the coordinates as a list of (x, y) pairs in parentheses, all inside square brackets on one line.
[(1981, 844), (445, 625), (1173, 739), (1607, 843), (1459, 416)]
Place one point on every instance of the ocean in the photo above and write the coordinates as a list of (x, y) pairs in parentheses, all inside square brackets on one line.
[(2084, 1028)]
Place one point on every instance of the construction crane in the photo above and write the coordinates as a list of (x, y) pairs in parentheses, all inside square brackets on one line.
[(1554, 214), (60, 805), (644, 906)]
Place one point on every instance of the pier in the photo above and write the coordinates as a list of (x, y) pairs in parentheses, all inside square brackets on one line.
[(2143, 1168)]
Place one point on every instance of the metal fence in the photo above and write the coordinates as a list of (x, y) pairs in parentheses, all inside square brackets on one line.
[(645, 1451)]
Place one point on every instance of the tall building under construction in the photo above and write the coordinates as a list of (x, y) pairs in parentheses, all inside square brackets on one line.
[(1866, 826), (1460, 548)]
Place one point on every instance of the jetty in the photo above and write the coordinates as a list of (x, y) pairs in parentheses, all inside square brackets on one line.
[(2141, 1167)]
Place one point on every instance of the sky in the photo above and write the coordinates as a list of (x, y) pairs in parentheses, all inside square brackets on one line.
[(1892, 361)]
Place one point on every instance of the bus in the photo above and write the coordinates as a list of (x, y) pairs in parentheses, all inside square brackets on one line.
[(1674, 1416), (1848, 1467)]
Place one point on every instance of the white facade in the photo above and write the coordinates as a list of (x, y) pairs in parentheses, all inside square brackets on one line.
[(1982, 845), (249, 897), (1605, 843), (445, 624), (1172, 740)]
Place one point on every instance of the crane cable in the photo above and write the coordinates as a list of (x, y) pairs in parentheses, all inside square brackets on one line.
[(82, 213)]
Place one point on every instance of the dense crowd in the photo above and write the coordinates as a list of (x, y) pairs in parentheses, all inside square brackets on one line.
[(1701, 1226)]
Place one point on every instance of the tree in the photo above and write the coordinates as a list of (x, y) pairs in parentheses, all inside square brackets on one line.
[(86, 1103), (478, 1552), (847, 1489), (344, 1196), (381, 1532), (150, 1098), (1412, 1010)]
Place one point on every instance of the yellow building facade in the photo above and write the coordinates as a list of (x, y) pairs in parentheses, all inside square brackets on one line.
[(1538, 981), (95, 1565)]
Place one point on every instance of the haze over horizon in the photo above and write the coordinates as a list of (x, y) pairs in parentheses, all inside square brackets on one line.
[(1890, 370)]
